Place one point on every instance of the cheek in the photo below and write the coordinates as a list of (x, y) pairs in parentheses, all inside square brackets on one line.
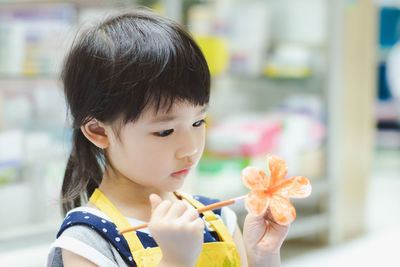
[(155, 155), (202, 143), (126, 157), (148, 158)]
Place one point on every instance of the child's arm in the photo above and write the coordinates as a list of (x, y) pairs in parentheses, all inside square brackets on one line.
[(71, 259)]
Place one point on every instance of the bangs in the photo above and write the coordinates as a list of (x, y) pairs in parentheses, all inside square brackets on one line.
[(154, 63)]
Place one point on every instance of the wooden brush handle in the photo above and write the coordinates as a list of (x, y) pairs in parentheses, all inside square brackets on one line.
[(200, 210)]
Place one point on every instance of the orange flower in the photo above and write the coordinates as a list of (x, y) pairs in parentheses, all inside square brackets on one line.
[(271, 191)]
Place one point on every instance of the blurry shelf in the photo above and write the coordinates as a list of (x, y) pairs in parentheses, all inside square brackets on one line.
[(388, 124), (26, 235), (4, 76), (320, 187), (308, 225), (23, 83), (28, 78), (80, 3), (387, 139), (383, 53), (387, 110), (313, 84)]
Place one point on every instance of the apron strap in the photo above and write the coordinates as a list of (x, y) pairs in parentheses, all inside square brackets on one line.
[(105, 205), (216, 224)]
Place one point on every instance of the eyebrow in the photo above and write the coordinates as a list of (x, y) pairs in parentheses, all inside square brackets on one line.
[(167, 118)]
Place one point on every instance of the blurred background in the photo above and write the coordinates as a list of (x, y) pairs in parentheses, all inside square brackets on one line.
[(316, 82)]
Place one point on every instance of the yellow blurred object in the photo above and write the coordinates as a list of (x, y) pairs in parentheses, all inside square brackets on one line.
[(158, 8), (209, 119), (276, 71), (215, 51)]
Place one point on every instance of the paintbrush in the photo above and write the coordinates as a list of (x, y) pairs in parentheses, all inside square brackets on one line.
[(200, 210)]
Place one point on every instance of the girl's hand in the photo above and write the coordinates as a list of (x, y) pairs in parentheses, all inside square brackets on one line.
[(263, 238), (178, 231)]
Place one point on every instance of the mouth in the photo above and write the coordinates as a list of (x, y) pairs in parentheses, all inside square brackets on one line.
[(181, 174)]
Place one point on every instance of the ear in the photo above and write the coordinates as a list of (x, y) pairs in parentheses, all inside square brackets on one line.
[(95, 132)]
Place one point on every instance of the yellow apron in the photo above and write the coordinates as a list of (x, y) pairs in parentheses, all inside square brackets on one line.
[(222, 253)]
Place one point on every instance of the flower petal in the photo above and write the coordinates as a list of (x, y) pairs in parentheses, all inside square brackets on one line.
[(277, 168), (294, 187), (257, 202), (254, 178), (282, 210)]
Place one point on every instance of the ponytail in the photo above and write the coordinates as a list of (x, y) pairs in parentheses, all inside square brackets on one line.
[(83, 173)]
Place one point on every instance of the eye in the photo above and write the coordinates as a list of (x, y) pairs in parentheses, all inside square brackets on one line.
[(199, 123), (164, 133)]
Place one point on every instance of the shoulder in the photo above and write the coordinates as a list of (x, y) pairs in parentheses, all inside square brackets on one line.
[(93, 220), (83, 241), (88, 235), (93, 228)]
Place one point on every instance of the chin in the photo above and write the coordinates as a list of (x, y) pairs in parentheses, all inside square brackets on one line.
[(174, 187)]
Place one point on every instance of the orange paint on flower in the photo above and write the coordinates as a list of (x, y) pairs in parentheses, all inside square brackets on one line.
[(272, 191)]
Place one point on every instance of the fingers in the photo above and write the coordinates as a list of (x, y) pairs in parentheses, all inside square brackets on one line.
[(166, 210), (190, 215), (160, 210), (198, 223), (176, 210), (268, 216), (155, 200)]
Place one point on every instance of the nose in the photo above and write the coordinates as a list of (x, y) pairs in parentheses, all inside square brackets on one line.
[(187, 146)]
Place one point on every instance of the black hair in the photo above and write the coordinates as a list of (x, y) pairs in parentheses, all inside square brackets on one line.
[(115, 70)]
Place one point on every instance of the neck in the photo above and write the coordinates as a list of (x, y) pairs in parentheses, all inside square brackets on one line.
[(130, 198)]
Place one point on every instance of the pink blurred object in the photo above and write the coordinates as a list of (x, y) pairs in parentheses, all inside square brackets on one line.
[(244, 136), (267, 140)]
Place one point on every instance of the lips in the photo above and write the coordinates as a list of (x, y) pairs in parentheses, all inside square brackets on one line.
[(181, 173)]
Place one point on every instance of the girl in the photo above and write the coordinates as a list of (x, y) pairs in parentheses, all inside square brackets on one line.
[(138, 87)]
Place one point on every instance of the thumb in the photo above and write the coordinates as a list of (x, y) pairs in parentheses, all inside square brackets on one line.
[(254, 227), (155, 200)]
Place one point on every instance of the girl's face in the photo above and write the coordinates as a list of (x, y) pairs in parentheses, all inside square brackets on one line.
[(158, 150)]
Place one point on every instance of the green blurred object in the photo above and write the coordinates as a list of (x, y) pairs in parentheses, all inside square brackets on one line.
[(7, 175), (148, 3), (211, 164), (158, 4)]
